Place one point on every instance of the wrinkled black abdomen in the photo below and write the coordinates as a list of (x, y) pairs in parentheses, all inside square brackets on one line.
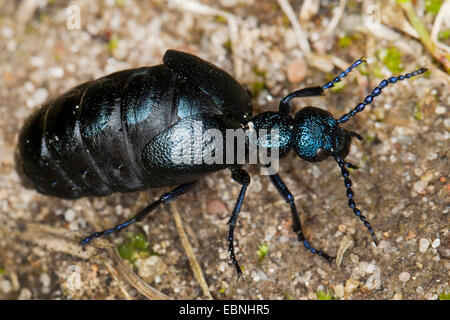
[(89, 141)]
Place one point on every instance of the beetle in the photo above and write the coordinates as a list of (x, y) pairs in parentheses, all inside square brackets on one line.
[(118, 133)]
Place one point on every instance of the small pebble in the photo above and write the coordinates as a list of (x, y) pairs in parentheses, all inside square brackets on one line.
[(45, 279), (423, 245), (432, 156), (69, 215), (427, 176), (297, 70), (25, 294), (420, 186), (56, 72), (216, 207), (151, 267), (440, 110), (339, 290), (436, 243), (447, 122), (351, 285), (39, 96), (5, 286), (404, 276), (397, 296)]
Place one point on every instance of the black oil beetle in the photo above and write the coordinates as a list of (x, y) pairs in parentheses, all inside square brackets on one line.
[(118, 133)]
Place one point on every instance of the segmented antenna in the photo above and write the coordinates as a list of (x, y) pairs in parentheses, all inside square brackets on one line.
[(343, 74), (351, 203), (377, 91)]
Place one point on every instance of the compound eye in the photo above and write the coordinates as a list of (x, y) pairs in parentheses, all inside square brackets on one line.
[(320, 154)]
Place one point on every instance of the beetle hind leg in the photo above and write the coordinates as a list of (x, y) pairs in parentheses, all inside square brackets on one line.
[(165, 198), (289, 198)]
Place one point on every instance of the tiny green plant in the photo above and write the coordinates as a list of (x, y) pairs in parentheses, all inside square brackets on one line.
[(262, 251), (322, 295), (135, 246)]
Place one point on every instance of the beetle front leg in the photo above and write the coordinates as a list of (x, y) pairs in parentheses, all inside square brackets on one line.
[(289, 198), (241, 176), (165, 198)]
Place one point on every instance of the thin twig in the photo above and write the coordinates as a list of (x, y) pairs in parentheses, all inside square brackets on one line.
[(339, 11), (425, 38), (443, 15), (199, 8), (198, 273), (115, 274), (60, 240), (133, 279), (346, 243), (300, 35)]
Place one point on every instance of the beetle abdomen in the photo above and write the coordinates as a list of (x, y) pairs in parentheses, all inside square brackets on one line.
[(89, 141)]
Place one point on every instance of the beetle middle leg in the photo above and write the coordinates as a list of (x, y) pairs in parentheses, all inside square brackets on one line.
[(241, 176), (289, 198), (165, 198)]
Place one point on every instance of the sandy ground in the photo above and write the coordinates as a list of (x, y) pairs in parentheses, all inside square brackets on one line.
[(402, 185)]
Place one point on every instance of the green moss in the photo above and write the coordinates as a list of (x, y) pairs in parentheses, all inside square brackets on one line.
[(288, 296), (377, 72), (443, 35), (392, 59), (352, 4), (418, 114), (113, 42), (433, 6), (259, 73), (43, 17), (259, 84), (369, 139), (2, 271), (286, 22), (339, 86), (262, 251), (221, 19), (135, 246), (29, 29), (227, 45), (444, 296), (345, 41), (322, 295), (257, 87)]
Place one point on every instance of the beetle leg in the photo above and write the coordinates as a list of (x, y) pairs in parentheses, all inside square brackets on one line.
[(356, 135), (241, 176), (166, 198), (289, 198)]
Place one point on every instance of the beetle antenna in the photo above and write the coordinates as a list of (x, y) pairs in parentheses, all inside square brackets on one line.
[(377, 91), (351, 203), (316, 91), (343, 73)]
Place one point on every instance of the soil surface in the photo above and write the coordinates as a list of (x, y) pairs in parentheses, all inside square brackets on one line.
[(401, 186)]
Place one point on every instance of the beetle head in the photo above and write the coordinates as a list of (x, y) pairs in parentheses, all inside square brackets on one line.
[(317, 135)]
